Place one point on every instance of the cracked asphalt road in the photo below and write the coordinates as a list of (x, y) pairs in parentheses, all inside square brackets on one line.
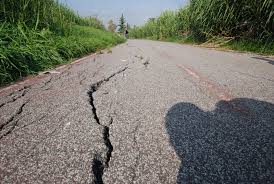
[(149, 112)]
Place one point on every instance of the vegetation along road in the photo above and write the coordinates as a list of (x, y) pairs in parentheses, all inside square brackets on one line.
[(145, 112)]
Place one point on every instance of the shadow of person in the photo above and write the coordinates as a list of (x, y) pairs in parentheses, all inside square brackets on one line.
[(232, 144)]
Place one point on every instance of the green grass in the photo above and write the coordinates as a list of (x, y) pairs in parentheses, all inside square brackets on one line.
[(256, 46), (239, 25), (252, 19), (263, 47), (38, 35), (38, 15), (24, 52)]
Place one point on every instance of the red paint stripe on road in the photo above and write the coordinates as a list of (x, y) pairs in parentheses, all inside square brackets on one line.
[(189, 71), (214, 89)]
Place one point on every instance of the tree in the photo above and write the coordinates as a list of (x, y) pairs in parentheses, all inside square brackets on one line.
[(111, 26), (122, 26)]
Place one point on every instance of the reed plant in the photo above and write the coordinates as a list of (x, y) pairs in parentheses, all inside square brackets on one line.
[(203, 20)]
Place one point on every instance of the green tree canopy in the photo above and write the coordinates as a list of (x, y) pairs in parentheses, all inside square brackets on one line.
[(122, 24)]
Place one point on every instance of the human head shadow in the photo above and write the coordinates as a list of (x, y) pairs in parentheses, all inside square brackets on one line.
[(232, 144), (269, 60)]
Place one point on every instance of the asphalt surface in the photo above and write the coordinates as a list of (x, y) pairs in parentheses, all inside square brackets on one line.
[(147, 112)]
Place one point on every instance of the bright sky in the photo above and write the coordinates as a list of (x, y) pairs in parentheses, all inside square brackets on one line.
[(136, 12)]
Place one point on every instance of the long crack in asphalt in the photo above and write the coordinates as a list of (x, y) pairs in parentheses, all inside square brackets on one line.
[(14, 97), (99, 164), (11, 121)]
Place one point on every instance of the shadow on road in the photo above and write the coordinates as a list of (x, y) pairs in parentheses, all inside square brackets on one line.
[(269, 60), (232, 144)]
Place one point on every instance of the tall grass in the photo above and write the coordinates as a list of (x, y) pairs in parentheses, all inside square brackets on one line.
[(162, 27), (203, 20), (39, 14), (36, 35), (241, 18)]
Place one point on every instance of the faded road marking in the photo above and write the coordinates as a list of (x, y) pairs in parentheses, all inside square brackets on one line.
[(214, 89), (189, 71)]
